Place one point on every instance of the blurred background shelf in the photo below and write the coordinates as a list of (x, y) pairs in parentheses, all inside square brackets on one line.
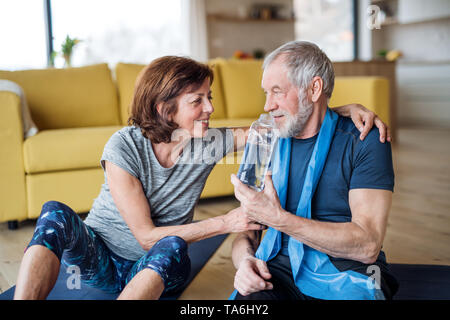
[(232, 19)]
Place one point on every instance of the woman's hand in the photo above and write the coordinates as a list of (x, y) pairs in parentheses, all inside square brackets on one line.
[(364, 119), (238, 221)]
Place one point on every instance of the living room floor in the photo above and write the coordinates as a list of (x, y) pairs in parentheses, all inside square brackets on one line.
[(418, 230)]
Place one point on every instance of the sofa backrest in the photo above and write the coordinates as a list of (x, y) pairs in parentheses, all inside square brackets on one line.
[(241, 82), (69, 98), (126, 76), (370, 91)]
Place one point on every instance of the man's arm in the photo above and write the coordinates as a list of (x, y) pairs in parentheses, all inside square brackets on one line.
[(252, 274), (359, 240), (244, 246)]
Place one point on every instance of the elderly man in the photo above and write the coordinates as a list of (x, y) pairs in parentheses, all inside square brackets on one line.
[(328, 204)]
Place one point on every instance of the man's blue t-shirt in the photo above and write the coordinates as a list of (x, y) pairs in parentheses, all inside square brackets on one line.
[(351, 164)]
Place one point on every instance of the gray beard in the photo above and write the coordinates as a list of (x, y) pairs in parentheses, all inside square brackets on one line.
[(295, 124)]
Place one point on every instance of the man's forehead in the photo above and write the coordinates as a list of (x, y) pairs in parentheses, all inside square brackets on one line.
[(275, 74), (278, 63)]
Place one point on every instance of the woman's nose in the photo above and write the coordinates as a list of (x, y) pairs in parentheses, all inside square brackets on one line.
[(208, 107)]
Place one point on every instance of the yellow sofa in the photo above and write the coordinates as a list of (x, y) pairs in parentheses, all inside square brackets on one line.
[(76, 111)]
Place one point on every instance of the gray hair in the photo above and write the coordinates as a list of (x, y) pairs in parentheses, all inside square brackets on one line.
[(304, 60)]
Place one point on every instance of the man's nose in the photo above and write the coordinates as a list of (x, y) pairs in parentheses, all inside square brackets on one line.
[(270, 104)]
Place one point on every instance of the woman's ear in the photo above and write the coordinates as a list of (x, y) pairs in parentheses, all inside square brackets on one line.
[(316, 89), (159, 107)]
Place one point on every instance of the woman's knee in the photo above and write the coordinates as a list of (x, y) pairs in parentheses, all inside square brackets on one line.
[(56, 212), (172, 248), (172, 243), (56, 206), (169, 258), (54, 227)]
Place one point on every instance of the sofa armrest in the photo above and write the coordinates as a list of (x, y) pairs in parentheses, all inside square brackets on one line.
[(13, 204)]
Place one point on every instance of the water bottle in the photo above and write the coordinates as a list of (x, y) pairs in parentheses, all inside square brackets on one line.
[(258, 152)]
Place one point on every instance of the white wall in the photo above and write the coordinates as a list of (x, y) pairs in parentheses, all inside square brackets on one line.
[(423, 73), (424, 94), (418, 10)]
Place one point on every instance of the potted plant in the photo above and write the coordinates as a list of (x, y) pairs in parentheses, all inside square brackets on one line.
[(67, 49)]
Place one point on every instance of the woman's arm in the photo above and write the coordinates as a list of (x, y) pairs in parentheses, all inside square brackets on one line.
[(132, 204), (363, 118), (240, 135)]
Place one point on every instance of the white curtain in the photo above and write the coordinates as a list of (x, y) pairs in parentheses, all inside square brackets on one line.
[(195, 33)]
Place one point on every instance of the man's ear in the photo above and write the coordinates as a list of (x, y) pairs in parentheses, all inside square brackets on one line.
[(316, 88)]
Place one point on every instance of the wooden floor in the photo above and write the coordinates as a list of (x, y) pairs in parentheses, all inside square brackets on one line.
[(418, 230)]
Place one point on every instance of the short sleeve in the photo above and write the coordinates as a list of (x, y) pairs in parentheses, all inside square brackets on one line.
[(121, 151), (372, 164)]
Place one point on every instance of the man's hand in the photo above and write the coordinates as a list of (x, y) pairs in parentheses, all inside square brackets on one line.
[(252, 276), (364, 119), (264, 206)]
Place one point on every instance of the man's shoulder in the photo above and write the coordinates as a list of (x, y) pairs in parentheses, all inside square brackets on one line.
[(346, 128)]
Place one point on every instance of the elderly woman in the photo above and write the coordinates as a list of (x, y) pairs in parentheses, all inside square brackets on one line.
[(134, 239)]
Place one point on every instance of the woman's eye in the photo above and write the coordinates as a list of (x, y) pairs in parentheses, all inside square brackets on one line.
[(210, 98)]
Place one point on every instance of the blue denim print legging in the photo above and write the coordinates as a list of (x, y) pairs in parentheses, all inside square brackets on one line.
[(62, 231)]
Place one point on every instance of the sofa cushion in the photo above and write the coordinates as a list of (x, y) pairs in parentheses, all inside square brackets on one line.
[(66, 149), (127, 73), (237, 75), (69, 98)]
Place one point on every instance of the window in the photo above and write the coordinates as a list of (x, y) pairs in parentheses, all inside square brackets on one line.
[(22, 35), (132, 31), (329, 24)]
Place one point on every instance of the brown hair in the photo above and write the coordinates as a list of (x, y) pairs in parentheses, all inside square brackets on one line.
[(163, 80)]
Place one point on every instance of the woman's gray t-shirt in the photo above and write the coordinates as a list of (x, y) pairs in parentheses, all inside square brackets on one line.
[(171, 192)]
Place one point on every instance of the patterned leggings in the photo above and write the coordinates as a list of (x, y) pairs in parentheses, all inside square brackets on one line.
[(61, 230)]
